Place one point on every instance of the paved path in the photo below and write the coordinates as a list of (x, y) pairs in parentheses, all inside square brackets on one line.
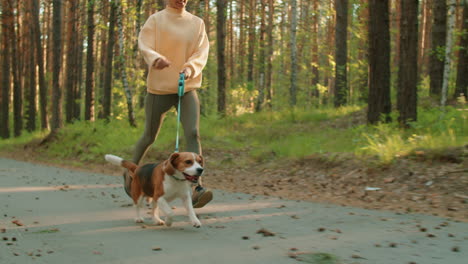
[(76, 217)]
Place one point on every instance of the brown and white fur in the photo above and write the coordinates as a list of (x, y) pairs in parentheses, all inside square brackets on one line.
[(163, 183)]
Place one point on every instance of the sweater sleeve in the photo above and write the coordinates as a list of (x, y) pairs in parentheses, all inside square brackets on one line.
[(147, 41), (198, 60)]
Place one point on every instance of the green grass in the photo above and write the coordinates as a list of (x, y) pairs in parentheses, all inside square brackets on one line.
[(267, 135)]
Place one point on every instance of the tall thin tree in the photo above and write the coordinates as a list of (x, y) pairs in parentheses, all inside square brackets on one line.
[(123, 70), (221, 44), (293, 47), (407, 69), (17, 88), (56, 121), (461, 86), (89, 90), (107, 93), (7, 22), (437, 58), (261, 59), (341, 51), (379, 102), (40, 65), (448, 51)]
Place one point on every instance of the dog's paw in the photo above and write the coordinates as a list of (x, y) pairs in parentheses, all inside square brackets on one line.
[(168, 221), (139, 220), (196, 223), (158, 222)]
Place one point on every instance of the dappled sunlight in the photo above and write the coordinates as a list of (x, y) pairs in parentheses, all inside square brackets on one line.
[(55, 188)]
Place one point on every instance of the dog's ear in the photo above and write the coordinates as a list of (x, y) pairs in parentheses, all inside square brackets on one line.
[(168, 165), (202, 162)]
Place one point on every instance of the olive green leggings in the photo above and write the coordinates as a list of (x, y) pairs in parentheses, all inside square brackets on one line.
[(156, 107)]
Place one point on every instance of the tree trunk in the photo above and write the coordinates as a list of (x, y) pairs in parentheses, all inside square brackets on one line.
[(221, 38), (71, 61), (379, 62), (40, 63), (128, 93), (31, 73), (17, 88), (89, 90), (461, 87), (107, 93), (56, 121), (261, 81), (341, 83), (424, 39), (268, 86), (314, 48), (251, 43), (293, 47), (439, 35), (407, 68), (7, 23), (448, 51), (241, 41)]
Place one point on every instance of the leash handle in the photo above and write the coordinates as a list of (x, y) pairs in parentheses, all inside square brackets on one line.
[(180, 92)]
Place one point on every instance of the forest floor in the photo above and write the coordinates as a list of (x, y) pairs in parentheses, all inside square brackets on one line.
[(417, 184)]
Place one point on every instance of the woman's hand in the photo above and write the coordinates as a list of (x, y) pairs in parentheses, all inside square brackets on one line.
[(161, 63), (186, 72)]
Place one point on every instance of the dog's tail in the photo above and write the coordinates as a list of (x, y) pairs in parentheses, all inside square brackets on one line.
[(128, 177), (121, 162)]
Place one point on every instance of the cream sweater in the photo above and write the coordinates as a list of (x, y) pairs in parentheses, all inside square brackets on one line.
[(180, 37)]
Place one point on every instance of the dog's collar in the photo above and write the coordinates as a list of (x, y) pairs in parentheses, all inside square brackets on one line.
[(178, 179)]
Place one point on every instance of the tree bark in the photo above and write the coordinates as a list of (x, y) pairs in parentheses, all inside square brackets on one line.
[(268, 86), (17, 88), (221, 38), (107, 93), (293, 47), (437, 59), (7, 23), (31, 73), (379, 62), (40, 63), (128, 93), (407, 68), (251, 43), (448, 51), (314, 48), (89, 90), (261, 62), (341, 82), (56, 121), (461, 86), (71, 61)]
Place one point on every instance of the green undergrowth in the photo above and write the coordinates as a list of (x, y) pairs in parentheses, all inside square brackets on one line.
[(264, 136)]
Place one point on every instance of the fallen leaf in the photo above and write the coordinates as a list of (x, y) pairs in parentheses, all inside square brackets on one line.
[(265, 232), (17, 222)]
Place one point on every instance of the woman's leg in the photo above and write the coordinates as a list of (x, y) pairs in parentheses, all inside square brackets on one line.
[(156, 107), (190, 118)]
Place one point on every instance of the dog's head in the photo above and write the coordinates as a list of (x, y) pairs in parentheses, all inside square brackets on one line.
[(186, 164)]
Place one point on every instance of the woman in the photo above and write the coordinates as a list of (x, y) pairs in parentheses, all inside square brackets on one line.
[(173, 41)]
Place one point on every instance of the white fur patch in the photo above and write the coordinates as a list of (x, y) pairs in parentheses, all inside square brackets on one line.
[(114, 159)]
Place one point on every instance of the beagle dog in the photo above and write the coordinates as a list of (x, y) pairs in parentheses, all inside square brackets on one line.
[(163, 182)]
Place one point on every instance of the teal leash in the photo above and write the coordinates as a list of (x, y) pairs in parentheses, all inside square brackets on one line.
[(180, 92)]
